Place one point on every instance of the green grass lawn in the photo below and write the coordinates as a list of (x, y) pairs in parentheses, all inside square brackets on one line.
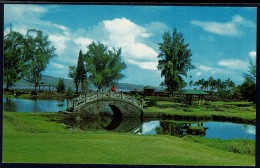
[(38, 138), (241, 110)]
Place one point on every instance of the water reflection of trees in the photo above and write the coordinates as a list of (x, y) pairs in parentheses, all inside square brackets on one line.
[(179, 129), (101, 121), (9, 104), (105, 118), (171, 128)]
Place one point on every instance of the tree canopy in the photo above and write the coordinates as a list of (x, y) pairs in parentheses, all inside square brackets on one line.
[(13, 58), (248, 87), (174, 60), (26, 56), (105, 66), (79, 73), (37, 51)]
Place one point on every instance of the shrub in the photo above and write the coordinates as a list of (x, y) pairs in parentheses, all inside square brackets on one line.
[(193, 130), (61, 86), (70, 92), (34, 92), (151, 102)]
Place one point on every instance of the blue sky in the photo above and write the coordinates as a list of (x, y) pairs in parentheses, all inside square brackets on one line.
[(221, 39)]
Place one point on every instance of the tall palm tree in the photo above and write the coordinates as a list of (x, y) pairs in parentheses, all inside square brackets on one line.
[(210, 80), (219, 84), (206, 85)]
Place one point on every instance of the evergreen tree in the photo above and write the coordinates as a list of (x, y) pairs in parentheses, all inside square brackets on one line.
[(174, 60), (81, 70), (191, 82), (74, 76), (79, 73), (248, 88), (61, 86)]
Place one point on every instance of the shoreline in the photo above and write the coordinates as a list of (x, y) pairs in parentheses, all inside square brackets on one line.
[(194, 118)]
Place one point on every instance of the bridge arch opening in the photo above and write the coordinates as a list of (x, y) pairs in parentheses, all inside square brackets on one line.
[(110, 117)]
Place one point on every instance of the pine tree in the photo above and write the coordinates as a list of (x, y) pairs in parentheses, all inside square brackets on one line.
[(81, 70), (174, 60), (73, 74), (61, 88)]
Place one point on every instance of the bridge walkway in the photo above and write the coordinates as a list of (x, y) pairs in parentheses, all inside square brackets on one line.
[(81, 100)]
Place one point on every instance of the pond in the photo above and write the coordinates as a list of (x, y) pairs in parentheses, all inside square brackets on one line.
[(216, 130), (211, 129), (221, 130), (28, 105)]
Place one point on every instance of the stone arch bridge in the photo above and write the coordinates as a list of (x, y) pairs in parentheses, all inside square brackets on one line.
[(122, 105)]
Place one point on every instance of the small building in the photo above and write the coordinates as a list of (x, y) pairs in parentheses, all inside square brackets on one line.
[(47, 87), (198, 93), (135, 92), (148, 91)]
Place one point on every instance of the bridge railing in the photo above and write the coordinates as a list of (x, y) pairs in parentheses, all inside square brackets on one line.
[(81, 100)]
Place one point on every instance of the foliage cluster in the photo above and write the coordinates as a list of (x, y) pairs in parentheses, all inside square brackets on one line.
[(151, 102), (245, 147), (239, 112), (70, 92), (174, 60), (26, 56), (196, 130), (100, 66), (61, 88)]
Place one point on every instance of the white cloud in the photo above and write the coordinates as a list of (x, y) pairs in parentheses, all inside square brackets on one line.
[(233, 64), (150, 126), (56, 65), (64, 28), (118, 32), (141, 51), (232, 27), (198, 74), (25, 16), (21, 10), (82, 43), (156, 26), (205, 68), (122, 26), (121, 32), (252, 54), (144, 65), (59, 41), (251, 130)]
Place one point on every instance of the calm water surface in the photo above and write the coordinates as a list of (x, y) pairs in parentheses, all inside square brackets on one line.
[(216, 130), (221, 130), (27, 105)]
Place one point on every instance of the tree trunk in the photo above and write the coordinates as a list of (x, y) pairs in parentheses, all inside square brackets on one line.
[(77, 89), (7, 86)]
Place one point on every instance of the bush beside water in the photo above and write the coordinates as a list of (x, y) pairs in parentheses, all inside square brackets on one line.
[(245, 147)]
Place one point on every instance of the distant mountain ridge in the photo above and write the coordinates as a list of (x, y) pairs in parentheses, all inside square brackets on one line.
[(53, 81)]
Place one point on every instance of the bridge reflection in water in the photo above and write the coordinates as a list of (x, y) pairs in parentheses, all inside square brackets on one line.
[(105, 121), (117, 112), (109, 111)]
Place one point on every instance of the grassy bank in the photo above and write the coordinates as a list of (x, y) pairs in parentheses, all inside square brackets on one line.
[(40, 138), (239, 112), (49, 96)]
